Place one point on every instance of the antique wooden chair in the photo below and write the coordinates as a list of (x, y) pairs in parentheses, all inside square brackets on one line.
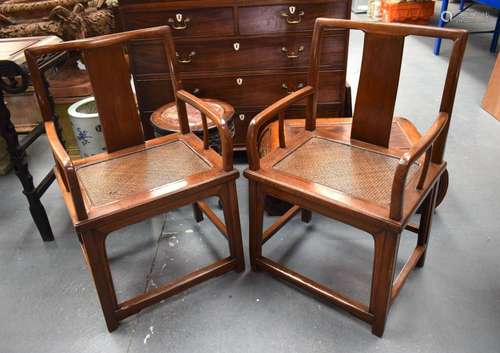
[(137, 179), (356, 179)]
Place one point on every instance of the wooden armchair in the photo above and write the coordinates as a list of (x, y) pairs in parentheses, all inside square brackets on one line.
[(358, 179), (137, 179)]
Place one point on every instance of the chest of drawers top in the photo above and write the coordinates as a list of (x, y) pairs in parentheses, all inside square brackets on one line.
[(247, 53), (201, 19)]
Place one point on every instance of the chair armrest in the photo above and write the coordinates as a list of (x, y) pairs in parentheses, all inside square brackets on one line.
[(424, 145), (265, 117), (65, 167), (220, 123), (60, 154)]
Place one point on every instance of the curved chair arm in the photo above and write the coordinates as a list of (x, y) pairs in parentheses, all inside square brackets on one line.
[(222, 127), (66, 169), (265, 117), (425, 144), (60, 154)]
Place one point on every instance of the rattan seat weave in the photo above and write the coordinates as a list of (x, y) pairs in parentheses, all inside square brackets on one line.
[(355, 171), (118, 178)]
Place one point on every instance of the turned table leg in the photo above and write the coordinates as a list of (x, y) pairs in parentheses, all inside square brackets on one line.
[(18, 158)]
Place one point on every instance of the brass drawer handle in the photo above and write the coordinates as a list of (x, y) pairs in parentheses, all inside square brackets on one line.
[(195, 91), (293, 16), (179, 22), (185, 60), (290, 54), (290, 90)]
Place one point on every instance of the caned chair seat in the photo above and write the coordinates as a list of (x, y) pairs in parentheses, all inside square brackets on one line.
[(131, 174), (343, 171), (358, 172), (359, 178), (138, 178)]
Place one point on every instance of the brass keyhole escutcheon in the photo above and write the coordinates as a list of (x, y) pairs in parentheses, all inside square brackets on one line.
[(180, 22), (293, 16)]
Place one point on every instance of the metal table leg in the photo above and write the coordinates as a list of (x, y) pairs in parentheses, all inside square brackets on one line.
[(441, 23)]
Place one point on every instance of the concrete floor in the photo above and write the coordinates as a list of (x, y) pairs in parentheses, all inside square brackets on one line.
[(48, 302)]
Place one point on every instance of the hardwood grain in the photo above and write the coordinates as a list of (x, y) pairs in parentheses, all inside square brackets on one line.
[(121, 126), (378, 86), (137, 179), (342, 173), (216, 55), (264, 43), (251, 18), (202, 22), (253, 91)]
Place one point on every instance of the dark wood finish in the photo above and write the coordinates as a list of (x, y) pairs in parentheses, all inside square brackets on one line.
[(219, 55), (202, 22), (246, 53), (244, 90), (136, 179), (166, 121), (14, 80), (359, 179), (17, 154), (278, 18)]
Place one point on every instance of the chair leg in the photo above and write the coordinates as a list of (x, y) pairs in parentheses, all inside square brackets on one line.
[(256, 207), (94, 245), (197, 213), (305, 215), (424, 227), (384, 263), (232, 218)]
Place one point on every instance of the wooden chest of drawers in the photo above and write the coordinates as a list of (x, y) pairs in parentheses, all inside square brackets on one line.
[(247, 53)]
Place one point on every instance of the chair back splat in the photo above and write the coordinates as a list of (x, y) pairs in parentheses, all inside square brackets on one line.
[(377, 88), (110, 78), (379, 76), (351, 170), (107, 65), (137, 179)]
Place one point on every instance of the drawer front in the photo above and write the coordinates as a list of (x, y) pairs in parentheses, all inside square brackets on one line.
[(233, 55), (263, 90), (242, 118), (257, 90), (287, 18), (184, 22)]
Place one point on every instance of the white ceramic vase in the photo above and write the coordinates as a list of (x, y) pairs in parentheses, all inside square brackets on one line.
[(87, 127)]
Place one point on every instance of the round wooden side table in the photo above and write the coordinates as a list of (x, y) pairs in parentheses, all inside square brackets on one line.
[(165, 120)]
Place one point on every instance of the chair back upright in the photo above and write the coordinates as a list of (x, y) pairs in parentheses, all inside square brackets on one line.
[(108, 69), (379, 76)]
